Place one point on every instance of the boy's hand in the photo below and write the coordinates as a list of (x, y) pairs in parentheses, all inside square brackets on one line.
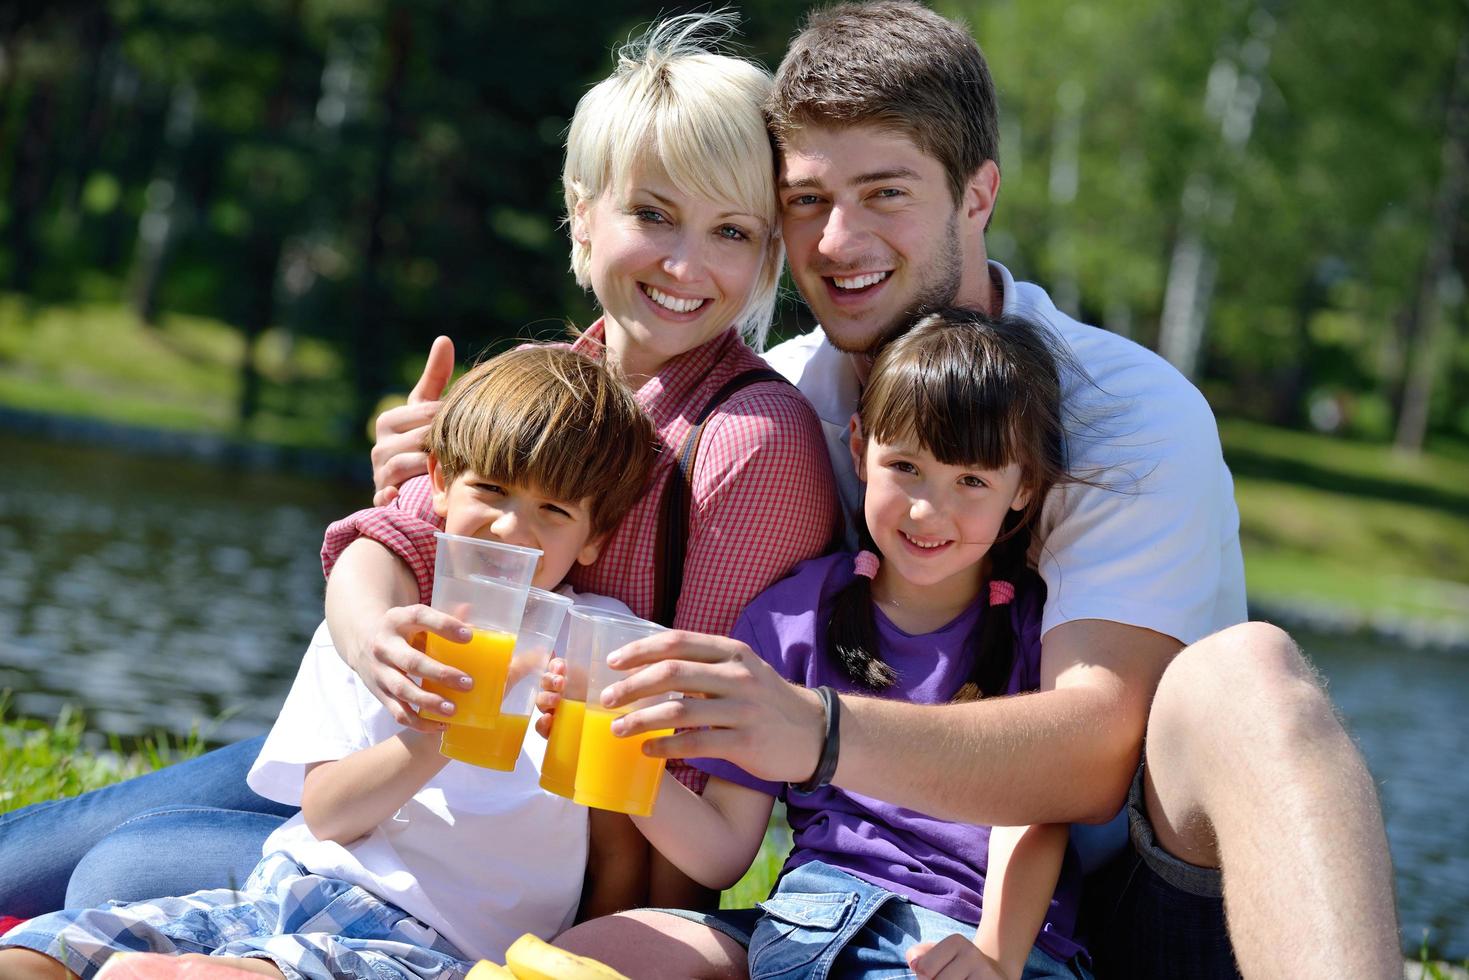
[(397, 455), (552, 682), (394, 654), (953, 958)]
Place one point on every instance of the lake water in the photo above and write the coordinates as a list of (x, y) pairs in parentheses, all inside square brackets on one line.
[(164, 594)]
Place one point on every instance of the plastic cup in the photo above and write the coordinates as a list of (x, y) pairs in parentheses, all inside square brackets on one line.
[(612, 773), (497, 745), (563, 746), (483, 583)]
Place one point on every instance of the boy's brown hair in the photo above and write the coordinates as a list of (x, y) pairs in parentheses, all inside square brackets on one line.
[(896, 65), (548, 417)]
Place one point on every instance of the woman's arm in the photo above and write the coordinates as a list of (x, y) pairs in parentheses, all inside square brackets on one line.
[(711, 838), (1020, 880), (343, 800)]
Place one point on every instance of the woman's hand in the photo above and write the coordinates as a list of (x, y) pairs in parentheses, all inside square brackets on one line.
[(394, 651), (748, 714), (953, 958), (553, 681), (397, 455)]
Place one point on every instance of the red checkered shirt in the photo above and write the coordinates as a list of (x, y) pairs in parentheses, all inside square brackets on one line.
[(763, 495)]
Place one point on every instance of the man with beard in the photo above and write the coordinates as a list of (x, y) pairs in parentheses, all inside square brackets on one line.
[(1252, 840)]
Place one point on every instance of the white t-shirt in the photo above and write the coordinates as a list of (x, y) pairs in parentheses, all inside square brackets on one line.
[(480, 856), (1158, 546)]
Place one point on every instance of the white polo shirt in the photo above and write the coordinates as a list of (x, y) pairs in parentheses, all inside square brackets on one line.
[(1158, 545)]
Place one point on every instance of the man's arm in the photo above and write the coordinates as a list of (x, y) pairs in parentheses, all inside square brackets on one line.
[(1063, 754)]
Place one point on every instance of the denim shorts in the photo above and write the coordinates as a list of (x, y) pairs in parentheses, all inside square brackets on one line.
[(1149, 915), (822, 922), (311, 927)]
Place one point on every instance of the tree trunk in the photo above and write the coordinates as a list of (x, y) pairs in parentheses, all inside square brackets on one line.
[(1429, 326)]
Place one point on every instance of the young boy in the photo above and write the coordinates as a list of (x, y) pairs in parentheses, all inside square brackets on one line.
[(401, 862)]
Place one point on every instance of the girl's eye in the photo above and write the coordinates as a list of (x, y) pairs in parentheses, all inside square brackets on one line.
[(973, 481), (903, 466), (560, 511)]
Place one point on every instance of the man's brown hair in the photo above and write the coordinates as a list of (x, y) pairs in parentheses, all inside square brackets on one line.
[(550, 418), (896, 65)]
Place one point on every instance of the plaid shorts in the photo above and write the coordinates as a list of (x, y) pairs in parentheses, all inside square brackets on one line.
[(309, 926)]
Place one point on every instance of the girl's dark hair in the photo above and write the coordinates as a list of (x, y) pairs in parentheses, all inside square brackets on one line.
[(973, 391)]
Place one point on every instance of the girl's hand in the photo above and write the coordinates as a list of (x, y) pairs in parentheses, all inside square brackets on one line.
[(397, 455), (953, 958), (395, 652), (552, 682)]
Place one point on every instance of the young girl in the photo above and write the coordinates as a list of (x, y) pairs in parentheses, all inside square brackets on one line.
[(958, 439)]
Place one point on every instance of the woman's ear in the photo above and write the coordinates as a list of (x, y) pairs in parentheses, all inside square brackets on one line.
[(441, 488), (858, 445), (579, 231)]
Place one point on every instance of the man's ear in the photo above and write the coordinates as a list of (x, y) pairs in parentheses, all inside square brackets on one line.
[(441, 488), (591, 549), (980, 194), (858, 445)]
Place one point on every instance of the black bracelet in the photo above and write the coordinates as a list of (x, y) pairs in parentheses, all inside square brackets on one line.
[(826, 766)]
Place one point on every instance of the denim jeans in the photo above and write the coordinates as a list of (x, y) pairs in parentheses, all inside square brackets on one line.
[(203, 828), (822, 922)]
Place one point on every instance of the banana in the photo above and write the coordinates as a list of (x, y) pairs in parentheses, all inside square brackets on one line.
[(529, 958), (485, 970)]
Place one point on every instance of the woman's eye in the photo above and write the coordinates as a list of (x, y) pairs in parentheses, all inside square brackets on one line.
[(649, 215), (732, 233)]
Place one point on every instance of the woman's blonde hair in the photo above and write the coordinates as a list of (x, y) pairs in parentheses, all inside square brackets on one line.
[(699, 114)]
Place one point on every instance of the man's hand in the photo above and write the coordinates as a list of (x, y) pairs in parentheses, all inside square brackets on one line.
[(747, 714), (398, 454), (953, 958), (393, 653)]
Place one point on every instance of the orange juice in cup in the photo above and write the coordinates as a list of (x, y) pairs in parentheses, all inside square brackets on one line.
[(484, 584), (493, 741), (612, 773), (558, 768), (486, 658), (494, 747)]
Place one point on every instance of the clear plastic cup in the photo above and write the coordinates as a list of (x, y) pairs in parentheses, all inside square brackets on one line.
[(563, 746), (483, 583), (612, 773), (497, 745)]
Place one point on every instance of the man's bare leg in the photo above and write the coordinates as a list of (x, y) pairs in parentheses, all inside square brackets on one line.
[(1249, 769), (657, 946)]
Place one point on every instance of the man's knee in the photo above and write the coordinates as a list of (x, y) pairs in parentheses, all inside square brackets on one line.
[(1249, 682)]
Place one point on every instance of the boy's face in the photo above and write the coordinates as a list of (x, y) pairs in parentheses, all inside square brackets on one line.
[(478, 507)]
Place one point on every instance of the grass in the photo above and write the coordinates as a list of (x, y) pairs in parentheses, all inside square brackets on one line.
[(40, 761), (1333, 522), (98, 360)]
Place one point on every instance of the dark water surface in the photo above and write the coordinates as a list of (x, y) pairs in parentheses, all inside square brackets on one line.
[(161, 594)]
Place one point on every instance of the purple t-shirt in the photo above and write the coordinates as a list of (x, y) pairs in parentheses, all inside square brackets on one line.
[(937, 864)]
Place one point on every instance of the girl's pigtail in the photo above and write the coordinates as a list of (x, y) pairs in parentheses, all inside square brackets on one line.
[(851, 633), (994, 657)]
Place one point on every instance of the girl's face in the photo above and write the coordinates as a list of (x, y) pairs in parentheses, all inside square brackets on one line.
[(671, 270), (934, 523)]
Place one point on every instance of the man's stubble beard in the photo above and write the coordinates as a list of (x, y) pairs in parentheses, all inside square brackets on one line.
[(935, 291)]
